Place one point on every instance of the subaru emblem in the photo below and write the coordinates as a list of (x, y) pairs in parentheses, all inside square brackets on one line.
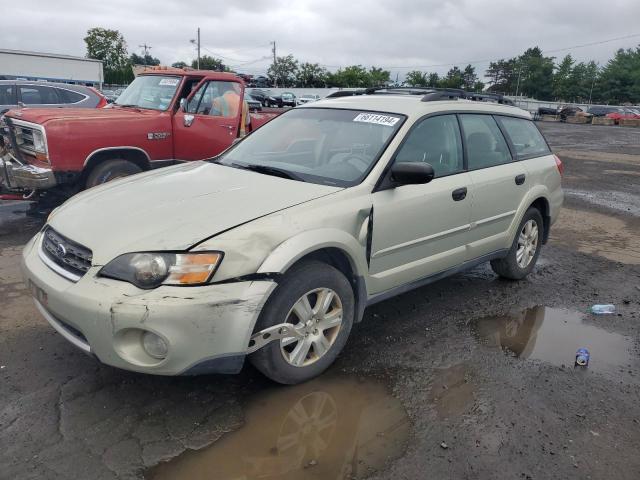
[(61, 251)]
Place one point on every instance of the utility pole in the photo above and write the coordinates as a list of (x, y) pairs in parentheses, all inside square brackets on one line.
[(593, 82), (197, 44), (275, 76), (146, 52)]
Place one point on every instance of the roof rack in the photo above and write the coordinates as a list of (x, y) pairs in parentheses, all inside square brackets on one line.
[(430, 94)]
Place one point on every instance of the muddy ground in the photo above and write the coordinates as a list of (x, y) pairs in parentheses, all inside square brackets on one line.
[(471, 377)]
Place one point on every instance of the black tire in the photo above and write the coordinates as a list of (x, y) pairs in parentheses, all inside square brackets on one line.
[(110, 170), (301, 279), (508, 267)]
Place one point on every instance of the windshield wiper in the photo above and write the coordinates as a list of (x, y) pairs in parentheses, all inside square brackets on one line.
[(276, 172)]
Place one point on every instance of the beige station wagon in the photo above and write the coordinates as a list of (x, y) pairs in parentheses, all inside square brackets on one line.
[(274, 249)]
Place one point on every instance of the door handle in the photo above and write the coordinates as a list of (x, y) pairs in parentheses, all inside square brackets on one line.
[(520, 179), (459, 194)]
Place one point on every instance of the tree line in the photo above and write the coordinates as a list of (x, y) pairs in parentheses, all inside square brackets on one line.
[(531, 74)]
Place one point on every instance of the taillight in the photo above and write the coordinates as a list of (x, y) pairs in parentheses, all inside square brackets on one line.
[(103, 100), (559, 165)]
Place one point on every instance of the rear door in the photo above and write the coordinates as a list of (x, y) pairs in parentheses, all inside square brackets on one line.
[(210, 120), (499, 183)]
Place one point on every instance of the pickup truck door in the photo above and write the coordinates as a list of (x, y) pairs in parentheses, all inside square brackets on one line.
[(209, 120)]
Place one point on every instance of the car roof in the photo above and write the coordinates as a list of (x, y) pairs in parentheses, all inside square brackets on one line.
[(68, 86), (413, 106)]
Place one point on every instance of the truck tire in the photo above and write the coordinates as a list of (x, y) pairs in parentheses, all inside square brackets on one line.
[(316, 300), (110, 170)]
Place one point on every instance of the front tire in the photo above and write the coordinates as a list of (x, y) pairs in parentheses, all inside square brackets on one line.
[(525, 250), (111, 170), (318, 301)]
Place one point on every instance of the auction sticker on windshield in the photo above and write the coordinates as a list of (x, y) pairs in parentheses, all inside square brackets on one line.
[(376, 118), (170, 82)]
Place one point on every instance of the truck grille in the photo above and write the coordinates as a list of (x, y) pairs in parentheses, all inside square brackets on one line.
[(71, 256)]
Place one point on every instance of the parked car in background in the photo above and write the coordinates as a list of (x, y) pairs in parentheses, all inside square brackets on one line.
[(623, 113), (601, 110), (571, 111), (307, 98), (254, 104), (288, 99), (260, 95), (19, 93), (274, 249), (110, 95)]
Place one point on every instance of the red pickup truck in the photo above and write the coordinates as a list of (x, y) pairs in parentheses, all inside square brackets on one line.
[(164, 116)]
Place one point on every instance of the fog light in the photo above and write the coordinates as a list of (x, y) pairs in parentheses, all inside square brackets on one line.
[(154, 345)]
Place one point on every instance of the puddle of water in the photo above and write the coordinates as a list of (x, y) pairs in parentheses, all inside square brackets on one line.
[(329, 428), (554, 335)]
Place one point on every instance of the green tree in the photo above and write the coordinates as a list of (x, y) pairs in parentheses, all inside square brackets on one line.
[(378, 77), (562, 79), (453, 79), (469, 78), (416, 78), (283, 71), (619, 81), (355, 76), (536, 74), (433, 80), (210, 63), (311, 75), (110, 47), (136, 59)]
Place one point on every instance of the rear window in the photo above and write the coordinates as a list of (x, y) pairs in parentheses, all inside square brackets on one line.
[(37, 95), (525, 137)]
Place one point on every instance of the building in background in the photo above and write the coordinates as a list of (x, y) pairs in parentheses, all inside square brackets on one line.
[(16, 64)]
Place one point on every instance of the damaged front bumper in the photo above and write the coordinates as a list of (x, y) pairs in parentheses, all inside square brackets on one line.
[(207, 329), (17, 176)]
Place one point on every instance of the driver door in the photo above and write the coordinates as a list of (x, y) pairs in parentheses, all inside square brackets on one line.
[(421, 230), (209, 122)]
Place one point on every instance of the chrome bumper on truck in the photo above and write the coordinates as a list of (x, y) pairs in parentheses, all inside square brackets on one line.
[(15, 175)]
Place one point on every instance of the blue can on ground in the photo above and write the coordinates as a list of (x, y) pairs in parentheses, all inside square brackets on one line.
[(582, 357)]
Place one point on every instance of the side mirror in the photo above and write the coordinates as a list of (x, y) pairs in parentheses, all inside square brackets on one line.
[(411, 173)]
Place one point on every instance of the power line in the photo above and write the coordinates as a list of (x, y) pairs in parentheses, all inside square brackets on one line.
[(487, 60)]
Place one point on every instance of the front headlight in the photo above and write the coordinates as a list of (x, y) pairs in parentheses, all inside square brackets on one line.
[(39, 144), (150, 270)]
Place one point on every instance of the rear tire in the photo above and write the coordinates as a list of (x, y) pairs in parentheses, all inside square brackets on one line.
[(111, 170), (322, 336), (525, 250)]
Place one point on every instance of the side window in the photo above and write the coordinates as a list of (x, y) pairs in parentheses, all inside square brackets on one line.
[(36, 95), (220, 99), (67, 96), (436, 140), (486, 147), (526, 139)]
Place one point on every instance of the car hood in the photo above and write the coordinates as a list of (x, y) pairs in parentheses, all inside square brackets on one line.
[(42, 116), (174, 208)]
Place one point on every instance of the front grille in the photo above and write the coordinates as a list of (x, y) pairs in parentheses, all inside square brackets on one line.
[(66, 253)]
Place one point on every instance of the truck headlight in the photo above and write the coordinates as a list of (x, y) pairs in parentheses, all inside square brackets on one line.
[(150, 270), (39, 145)]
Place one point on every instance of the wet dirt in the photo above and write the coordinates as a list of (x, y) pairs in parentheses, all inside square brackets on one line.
[(553, 335), (334, 427), (599, 234)]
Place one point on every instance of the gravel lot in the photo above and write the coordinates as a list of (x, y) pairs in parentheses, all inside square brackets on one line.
[(471, 377)]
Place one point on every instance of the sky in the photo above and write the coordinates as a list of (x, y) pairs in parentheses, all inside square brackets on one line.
[(399, 35)]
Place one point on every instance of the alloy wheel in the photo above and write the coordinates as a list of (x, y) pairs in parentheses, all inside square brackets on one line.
[(527, 244)]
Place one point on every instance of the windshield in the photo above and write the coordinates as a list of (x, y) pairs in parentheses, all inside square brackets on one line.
[(326, 146), (154, 92)]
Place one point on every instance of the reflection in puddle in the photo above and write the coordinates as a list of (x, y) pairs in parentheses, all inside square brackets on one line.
[(329, 428), (554, 335)]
